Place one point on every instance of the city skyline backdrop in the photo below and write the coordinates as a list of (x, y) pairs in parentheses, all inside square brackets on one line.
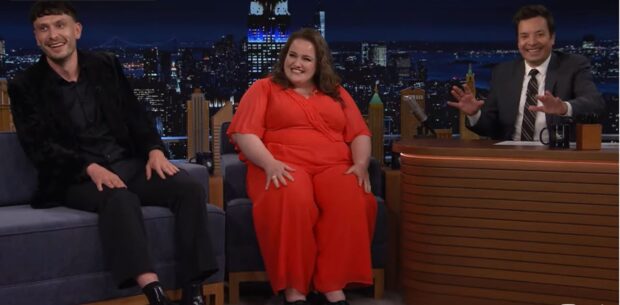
[(171, 49), (147, 21)]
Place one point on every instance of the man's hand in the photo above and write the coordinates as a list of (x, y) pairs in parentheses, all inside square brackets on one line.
[(361, 172), (466, 101), (102, 176), (161, 165), (550, 104)]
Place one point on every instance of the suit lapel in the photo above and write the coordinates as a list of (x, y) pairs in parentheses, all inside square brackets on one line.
[(550, 81), (513, 94), (552, 77)]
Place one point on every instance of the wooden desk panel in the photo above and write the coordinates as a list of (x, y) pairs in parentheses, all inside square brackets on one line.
[(483, 224)]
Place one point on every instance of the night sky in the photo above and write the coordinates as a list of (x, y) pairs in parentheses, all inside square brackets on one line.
[(145, 21)]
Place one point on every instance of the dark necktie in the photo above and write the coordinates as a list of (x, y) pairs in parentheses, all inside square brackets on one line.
[(529, 117)]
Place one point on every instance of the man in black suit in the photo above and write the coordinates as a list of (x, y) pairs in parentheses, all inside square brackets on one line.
[(528, 94), (96, 150)]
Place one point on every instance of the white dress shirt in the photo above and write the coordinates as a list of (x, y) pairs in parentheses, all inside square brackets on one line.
[(540, 116)]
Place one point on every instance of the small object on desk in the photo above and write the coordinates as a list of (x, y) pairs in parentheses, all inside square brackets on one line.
[(559, 135), (589, 136), (589, 132), (444, 133)]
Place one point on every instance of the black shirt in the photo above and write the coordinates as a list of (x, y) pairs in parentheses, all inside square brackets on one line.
[(96, 142)]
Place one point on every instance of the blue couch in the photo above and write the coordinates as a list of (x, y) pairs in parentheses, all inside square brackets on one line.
[(54, 257)]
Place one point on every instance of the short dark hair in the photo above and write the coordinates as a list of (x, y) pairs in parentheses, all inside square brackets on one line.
[(45, 8), (531, 11)]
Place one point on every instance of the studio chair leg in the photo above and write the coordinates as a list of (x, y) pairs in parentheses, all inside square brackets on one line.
[(233, 288), (214, 292), (379, 279)]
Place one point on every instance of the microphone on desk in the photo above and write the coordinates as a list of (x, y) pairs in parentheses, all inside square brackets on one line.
[(419, 114)]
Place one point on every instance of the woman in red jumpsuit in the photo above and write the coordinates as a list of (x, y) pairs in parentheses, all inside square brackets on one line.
[(307, 148)]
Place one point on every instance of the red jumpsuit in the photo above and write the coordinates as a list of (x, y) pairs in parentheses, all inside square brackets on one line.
[(319, 228)]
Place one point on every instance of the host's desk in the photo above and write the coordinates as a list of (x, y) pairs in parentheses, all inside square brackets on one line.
[(497, 225)]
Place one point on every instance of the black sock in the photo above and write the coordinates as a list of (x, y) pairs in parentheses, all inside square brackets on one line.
[(154, 292)]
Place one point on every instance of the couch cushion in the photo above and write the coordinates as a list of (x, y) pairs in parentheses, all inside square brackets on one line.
[(43, 244), (18, 178)]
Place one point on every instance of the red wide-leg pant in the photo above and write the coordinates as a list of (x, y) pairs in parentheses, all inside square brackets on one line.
[(317, 230)]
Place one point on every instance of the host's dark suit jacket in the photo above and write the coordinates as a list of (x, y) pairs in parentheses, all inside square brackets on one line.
[(568, 77), (47, 134)]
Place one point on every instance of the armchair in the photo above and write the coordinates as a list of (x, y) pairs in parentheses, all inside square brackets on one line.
[(243, 258)]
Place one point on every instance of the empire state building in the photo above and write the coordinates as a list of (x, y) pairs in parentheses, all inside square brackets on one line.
[(268, 29)]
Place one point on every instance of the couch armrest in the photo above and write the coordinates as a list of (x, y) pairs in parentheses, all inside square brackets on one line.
[(234, 179)]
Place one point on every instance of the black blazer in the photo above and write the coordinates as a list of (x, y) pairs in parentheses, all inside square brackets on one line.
[(568, 77), (47, 134)]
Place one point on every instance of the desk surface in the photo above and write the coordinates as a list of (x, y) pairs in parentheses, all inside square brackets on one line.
[(486, 148)]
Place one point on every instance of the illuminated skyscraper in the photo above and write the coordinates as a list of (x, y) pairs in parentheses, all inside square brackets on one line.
[(2, 52), (268, 29), (375, 53), (225, 114), (422, 72), (6, 120), (165, 64), (375, 124), (470, 82), (151, 64), (379, 54), (187, 71), (197, 124), (4, 92), (365, 50), (319, 19), (402, 62)]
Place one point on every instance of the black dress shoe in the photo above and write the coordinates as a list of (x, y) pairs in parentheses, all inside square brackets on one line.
[(343, 302), (192, 295), (155, 294)]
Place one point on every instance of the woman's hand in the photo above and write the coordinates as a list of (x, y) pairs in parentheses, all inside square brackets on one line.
[(361, 172), (277, 172)]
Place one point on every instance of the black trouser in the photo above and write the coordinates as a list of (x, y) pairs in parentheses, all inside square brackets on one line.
[(121, 226)]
